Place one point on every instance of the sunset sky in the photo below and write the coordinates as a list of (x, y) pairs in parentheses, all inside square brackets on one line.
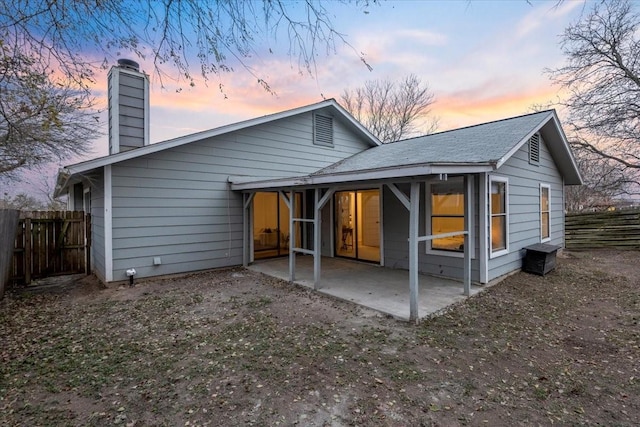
[(483, 60)]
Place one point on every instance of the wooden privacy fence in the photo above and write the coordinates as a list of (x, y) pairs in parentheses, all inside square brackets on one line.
[(8, 227), (50, 243), (615, 229)]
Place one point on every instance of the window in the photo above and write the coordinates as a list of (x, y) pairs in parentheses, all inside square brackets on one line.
[(447, 213), (499, 208), (271, 224), (534, 149), (545, 212), (323, 130)]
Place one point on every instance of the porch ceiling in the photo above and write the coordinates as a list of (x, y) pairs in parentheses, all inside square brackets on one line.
[(382, 289)]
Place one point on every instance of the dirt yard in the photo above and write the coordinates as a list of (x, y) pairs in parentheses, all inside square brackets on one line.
[(236, 348)]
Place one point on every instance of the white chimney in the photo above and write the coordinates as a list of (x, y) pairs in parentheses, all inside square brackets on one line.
[(128, 91)]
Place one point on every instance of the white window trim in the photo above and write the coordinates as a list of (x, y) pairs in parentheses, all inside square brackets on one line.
[(70, 201), (429, 250), (548, 187), (85, 191), (505, 180)]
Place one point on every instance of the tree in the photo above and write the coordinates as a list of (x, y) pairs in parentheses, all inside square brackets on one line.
[(604, 181), (173, 34), (22, 202), (392, 111), (602, 76), (50, 51), (42, 117)]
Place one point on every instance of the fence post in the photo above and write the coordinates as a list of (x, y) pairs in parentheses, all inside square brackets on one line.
[(87, 242), (27, 250), (9, 219)]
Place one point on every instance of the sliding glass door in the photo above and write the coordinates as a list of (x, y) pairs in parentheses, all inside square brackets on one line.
[(358, 224), (271, 224)]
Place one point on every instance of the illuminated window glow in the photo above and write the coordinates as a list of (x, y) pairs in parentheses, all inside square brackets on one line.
[(499, 215), (447, 214)]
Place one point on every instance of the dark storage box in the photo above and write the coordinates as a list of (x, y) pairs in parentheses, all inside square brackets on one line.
[(540, 258)]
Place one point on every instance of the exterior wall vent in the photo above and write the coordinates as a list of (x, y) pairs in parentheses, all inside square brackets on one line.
[(323, 130), (534, 149)]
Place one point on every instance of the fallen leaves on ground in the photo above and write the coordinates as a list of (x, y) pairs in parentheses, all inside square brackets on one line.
[(234, 347)]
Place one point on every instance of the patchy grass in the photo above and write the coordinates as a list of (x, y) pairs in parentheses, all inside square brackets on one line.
[(236, 348)]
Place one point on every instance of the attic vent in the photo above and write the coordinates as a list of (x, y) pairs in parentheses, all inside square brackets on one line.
[(323, 130), (534, 149)]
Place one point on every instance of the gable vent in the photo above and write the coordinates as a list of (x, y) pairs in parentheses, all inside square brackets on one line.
[(534, 148), (323, 130)]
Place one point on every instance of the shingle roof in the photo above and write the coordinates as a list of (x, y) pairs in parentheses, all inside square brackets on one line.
[(486, 143)]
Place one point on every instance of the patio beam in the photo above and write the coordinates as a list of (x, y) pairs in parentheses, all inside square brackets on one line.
[(483, 227), (292, 238), (247, 225), (327, 196), (286, 199), (245, 232), (400, 195), (414, 215), (316, 237)]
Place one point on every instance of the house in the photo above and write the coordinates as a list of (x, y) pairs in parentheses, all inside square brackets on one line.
[(461, 204)]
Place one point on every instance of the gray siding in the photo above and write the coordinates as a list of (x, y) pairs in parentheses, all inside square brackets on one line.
[(176, 204), (97, 225), (130, 109), (396, 235), (524, 206)]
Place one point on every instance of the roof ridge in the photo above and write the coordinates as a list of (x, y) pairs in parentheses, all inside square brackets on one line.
[(552, 110)]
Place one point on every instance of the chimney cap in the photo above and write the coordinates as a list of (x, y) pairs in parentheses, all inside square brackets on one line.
[(128, 64)]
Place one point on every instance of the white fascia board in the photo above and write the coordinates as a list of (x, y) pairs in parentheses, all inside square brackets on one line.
[(523, 141), (356, 176), (567, 147), (356, 123)]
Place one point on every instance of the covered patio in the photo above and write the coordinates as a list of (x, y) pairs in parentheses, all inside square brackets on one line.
[(382, 289)]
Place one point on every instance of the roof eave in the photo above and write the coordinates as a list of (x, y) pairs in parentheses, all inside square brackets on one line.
[(572, 174), (367, 175), (62, 181), (575, 178)]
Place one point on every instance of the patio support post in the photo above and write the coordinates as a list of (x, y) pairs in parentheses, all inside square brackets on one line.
[(414, 213), (245, 232), (246, 225), (292, 238), (467, 236), (316, 239)]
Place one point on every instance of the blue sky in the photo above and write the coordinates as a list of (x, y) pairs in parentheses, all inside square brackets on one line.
[(483, 60)]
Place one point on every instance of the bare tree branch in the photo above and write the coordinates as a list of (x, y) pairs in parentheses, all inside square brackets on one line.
[(176, 35), (42, 118), (392, 110), (49, 52), (602, 75)]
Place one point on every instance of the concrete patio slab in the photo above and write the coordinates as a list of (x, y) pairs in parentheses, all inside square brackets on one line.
[(383, 289)]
